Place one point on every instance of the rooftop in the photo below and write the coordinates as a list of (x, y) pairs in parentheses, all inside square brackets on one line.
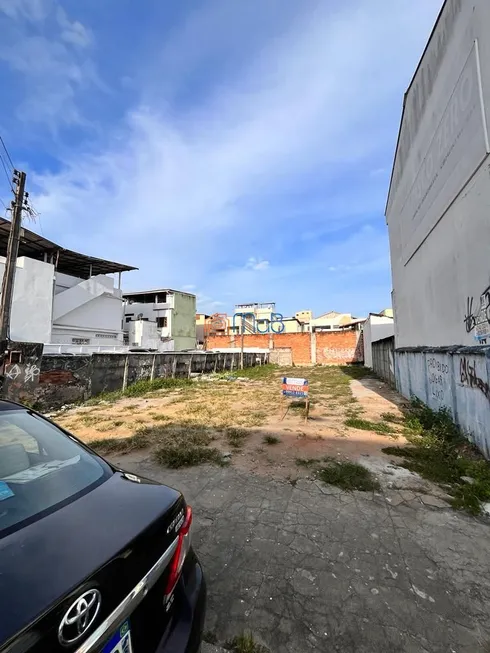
[(66, 260), (156, 291)]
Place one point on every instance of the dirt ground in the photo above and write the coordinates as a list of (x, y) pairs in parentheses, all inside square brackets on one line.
[(254, 405)]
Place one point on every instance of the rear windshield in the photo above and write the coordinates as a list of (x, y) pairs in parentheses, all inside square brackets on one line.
[(40, 468)]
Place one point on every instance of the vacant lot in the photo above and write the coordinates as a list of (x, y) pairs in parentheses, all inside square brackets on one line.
[(351, 415), (294, 553)]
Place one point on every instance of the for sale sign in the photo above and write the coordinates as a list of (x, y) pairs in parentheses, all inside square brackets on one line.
[(295, 387)]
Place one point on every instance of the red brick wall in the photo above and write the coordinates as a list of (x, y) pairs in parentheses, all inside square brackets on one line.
[(338, 348), (300, 344), (335, 348)]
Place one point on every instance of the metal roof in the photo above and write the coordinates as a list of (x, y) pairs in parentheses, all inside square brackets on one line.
[(66, 260), (156, 291)]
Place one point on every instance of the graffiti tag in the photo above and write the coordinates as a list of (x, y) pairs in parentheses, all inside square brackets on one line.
[(31, 372), (477, 317), (470, 378), (248, 322), (13, 372), (437, 371)]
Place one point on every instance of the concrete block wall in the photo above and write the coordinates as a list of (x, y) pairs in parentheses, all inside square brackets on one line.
[(323, 348), (69, 379), (456, 378)]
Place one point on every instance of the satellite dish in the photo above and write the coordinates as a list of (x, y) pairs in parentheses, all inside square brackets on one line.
[(140, 316)]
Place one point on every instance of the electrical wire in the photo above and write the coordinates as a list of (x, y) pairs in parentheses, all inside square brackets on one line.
[(7, 174), (7, 153)]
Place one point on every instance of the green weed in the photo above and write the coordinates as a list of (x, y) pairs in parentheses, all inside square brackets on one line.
[(439, 452), (271, 439), (366, 425), (348, 476)]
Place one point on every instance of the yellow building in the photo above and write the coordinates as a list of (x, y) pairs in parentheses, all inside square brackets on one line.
[(304, 316)]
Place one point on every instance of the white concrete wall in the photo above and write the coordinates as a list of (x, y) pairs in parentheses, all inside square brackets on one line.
[(180, 311), (457, 380), (375, 328), (32, 301), (438, 208), (87, 309), (144, 334)]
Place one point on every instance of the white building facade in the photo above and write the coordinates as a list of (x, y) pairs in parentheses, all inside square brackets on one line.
[(171, 311), (438, 222), (63, 299), (375, 328)]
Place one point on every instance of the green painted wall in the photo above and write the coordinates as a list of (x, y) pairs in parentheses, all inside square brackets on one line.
[(184, 321)]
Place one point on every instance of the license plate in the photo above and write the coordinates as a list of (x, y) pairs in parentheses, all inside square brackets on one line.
[(120, 642)]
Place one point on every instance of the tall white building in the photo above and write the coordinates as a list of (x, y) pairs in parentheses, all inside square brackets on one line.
[(439, 198)]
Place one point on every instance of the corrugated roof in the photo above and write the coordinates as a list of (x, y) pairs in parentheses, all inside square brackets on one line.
[(67, 261)]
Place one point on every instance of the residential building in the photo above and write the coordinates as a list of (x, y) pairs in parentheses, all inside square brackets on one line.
[(334, 321), (438, 223), (202, 320), (62, 298), (437, 209), (173, 311), (304, 316), (376, 327)]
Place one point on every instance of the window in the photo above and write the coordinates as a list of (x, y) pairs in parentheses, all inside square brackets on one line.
[(161, 298), (161, 322), (128, 319), (40, 468), (80, 341)]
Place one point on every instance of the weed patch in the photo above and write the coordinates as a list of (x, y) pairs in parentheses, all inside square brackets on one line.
[(348, 476), (365, 425), (187, 455), (392, 418), (271, 439), (121, 445), (139, 389), (439, 452), (245, 643), (258, 372), (236, 437)]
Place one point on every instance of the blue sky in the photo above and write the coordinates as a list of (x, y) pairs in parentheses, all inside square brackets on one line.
[(237, 149)]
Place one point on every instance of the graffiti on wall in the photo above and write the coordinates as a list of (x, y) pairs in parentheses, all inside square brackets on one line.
[(248, 323), (470, 378), (438, 374), (339, 354), (477, 316)]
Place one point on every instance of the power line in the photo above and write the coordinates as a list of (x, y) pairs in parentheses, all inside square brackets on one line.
[(9, 181), (7, 153)]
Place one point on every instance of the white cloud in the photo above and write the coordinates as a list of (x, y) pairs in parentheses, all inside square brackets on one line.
[(31, 10), (254, 264), (167, 190), (43, 47), (72, 31)]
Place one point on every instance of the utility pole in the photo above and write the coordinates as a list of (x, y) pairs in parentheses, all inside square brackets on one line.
[(242, 343), (12, 251)]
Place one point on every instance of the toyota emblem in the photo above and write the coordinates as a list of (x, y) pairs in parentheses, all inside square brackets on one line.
[(79, 617)]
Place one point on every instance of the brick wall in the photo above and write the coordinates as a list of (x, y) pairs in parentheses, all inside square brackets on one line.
[(334, 348), (338, 347)]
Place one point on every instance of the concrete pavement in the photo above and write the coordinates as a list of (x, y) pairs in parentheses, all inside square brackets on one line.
[(308, 567)]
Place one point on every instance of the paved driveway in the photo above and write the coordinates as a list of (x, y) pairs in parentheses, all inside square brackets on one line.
[(307, 567)]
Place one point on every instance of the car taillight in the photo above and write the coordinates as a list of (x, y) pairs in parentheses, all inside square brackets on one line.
[(183, 546)]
